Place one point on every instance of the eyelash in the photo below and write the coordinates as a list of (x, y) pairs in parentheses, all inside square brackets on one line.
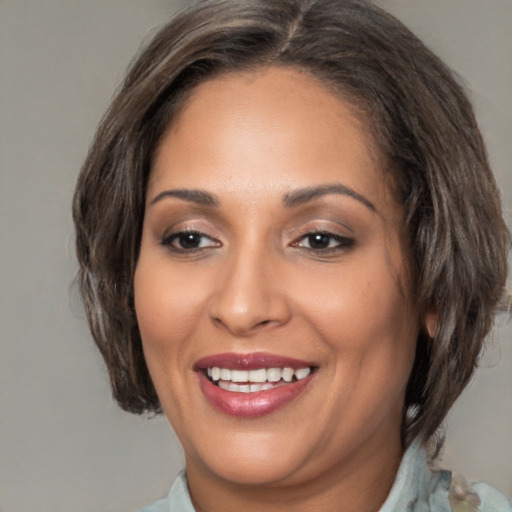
[(342, 242), (196, 237), (180, 236)]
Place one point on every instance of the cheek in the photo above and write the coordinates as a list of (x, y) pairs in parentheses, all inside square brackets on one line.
[(369, 326), (354, 307), (166, 303), (164, 314)]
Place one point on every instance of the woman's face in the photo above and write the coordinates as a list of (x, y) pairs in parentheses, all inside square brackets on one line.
[(272, 291)]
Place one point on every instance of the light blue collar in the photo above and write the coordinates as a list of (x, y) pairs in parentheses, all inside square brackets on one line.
[(416, 489)]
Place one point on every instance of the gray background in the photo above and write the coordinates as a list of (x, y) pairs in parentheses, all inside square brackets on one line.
[(64, 444)]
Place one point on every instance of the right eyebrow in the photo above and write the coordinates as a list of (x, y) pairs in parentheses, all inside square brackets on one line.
[(197, 196)]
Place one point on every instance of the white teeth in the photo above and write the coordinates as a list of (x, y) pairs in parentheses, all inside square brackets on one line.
[(274, 374), (287, 374), (239, 375), (215, 373), (254, 380), (224, 385), (302, 373), (240, 388), (258, 375)]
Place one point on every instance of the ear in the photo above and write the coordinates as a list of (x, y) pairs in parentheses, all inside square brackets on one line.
[(432, 323)]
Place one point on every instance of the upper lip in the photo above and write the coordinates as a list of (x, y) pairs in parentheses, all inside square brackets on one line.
[(250, 361)]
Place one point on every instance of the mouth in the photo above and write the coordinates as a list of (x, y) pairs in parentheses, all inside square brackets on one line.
[(254, 381), (251, 385)]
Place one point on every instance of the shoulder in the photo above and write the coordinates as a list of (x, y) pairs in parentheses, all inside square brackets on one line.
[(476, 497), (158, 506), (178, 499), (420, 488)]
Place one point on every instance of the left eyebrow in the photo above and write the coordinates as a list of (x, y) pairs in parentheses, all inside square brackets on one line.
[(304, 195)]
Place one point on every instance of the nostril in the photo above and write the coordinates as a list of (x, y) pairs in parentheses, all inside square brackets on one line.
[(243, 327), (217, 321), (246, 314)]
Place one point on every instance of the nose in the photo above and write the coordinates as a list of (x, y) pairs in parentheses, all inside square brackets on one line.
[(249, 295)]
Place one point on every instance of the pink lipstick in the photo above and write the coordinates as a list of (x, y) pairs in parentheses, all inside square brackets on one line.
[(254, 384)]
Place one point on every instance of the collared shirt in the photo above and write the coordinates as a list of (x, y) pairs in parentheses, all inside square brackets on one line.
[(416, 489)]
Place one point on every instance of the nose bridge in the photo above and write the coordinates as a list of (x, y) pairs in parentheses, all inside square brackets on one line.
[(248, 297)]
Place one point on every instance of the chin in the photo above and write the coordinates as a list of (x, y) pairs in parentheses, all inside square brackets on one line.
[(252, 459)]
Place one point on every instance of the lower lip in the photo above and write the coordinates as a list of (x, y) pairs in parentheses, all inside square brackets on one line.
[(251, 405)]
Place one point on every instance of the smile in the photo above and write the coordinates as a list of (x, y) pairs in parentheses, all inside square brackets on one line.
[(252, 385), (253, 381)]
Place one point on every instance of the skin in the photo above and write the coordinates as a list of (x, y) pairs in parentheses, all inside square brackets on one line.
[(255, 283)]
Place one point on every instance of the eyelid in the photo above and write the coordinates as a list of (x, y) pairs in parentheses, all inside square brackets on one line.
[(171, 236), (167, 217), (177, 233), (342, 242), (341, 237), (322, 224), (172, 224)]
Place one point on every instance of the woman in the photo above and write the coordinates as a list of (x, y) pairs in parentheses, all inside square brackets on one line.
[(291, 243)]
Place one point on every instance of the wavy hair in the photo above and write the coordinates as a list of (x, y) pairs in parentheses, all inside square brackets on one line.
[(419, 117)]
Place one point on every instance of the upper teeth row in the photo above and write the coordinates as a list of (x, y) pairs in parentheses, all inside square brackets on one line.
[(260, 375)]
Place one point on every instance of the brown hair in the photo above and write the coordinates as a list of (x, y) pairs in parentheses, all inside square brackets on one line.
[(420, 118)]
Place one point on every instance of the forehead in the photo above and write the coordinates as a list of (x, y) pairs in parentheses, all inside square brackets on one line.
[(274, 125)]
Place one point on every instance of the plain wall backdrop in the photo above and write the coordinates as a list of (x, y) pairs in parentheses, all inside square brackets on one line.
[(64, 445)]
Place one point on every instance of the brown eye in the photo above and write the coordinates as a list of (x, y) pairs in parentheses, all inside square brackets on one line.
[(189, 241), (324, 241), (319, 240)]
